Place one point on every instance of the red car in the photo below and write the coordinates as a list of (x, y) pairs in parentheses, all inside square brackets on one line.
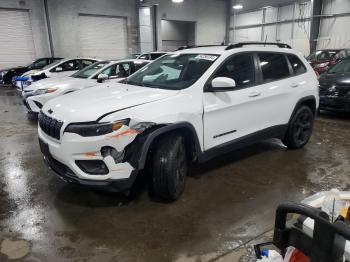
[(322, 60)]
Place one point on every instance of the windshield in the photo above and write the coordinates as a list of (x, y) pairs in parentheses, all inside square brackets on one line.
[(341, 67), (173, 72), (90, 70), (50, 65), (322, 55)]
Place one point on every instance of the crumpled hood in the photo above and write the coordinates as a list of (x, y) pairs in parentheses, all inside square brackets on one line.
[(92, 103), (57, 82)]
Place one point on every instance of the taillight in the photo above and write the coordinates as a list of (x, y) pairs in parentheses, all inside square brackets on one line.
[(317, 75)]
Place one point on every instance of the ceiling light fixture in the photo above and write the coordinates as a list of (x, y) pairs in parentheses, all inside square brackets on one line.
[(238, 6), (177, 1)]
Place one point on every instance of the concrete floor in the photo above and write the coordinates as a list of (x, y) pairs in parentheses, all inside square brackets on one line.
[(228, 204)]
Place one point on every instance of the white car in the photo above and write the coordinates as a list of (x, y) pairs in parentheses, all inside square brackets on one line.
[(151, 55), (190, 105), (64, 67), (37, 94)]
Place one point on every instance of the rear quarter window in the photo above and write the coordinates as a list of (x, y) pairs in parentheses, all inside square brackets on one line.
[(297, 65), (274, 66)]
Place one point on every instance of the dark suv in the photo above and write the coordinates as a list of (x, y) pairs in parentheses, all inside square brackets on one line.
[(335, 87), (6, 75), (322, 60)]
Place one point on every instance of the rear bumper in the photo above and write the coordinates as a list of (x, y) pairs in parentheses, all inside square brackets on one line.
[(341, 104)]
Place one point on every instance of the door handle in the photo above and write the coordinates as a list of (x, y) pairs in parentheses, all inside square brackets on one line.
[(254, 94), (294, 85)]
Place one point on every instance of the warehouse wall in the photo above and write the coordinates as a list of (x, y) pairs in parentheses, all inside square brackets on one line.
[(65, 24), (288, 24), (37, 19), (176, 34), (209, 16), (334, 32)]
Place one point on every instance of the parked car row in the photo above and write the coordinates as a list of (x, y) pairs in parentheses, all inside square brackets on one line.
[(104, 124), (333, 67)]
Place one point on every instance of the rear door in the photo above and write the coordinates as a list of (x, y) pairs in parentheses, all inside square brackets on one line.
[(278, 86)]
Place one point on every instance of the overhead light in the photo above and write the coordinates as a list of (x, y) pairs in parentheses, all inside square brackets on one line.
[(238, 6), (177, 1)]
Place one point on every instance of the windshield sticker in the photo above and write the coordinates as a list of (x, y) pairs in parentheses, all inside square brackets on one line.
[(207, 57)]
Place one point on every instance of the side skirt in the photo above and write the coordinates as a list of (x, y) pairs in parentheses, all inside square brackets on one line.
[(271, 132)]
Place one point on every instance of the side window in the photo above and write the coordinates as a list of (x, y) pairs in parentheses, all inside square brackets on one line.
[(40, 64), (117, 71), (274, 66), (86, 63), (138, 66), (297, 65), (155, 56), (144, 57), (240, 68), (69, 65)]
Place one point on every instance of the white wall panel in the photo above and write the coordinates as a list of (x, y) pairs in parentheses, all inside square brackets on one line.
[(270, 33), (102, 37), (37, 28), (250, 34), (334, 31), (251, 18), (146, 30), (271, 15), (64, 15), (16, 38)]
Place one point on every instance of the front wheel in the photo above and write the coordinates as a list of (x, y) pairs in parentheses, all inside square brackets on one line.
[(300, 128), (169, 167)]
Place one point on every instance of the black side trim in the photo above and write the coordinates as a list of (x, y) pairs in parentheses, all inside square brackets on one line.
[(224, 134), (271, 132), (142, 146)]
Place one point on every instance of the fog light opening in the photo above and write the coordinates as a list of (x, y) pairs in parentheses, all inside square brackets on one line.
[(93, 167)]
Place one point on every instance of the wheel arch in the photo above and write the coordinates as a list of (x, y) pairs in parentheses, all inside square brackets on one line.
[(186, 129), (309, 101)]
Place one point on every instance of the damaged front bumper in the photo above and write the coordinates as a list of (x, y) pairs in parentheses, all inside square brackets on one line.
[(92, 161)]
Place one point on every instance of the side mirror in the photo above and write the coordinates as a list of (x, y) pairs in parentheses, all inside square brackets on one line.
[(58, 69), (101, 78), (222, 84)]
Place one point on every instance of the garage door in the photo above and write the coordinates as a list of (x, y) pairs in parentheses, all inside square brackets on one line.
[(103, 37), (16, 38)]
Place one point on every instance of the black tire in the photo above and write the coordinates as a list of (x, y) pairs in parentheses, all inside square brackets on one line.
[(169, 167), (300, 128)]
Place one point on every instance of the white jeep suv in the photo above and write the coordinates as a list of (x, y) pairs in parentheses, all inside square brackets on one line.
[(190, 105)]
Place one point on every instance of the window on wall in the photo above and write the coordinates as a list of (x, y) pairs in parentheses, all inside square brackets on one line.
[(239, 68), (273, 66), (297, 65)]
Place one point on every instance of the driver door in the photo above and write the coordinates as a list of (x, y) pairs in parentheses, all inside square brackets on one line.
[(233, 114)]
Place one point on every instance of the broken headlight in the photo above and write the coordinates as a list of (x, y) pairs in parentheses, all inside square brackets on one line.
[(96, 129)]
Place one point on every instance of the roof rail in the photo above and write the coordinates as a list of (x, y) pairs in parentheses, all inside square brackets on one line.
[(238, 45), (194, 46)]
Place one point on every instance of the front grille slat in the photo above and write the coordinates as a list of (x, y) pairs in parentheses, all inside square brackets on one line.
[(50, 126)]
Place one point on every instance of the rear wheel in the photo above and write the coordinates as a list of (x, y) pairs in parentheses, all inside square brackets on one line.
[(169, 167), (300, 128)]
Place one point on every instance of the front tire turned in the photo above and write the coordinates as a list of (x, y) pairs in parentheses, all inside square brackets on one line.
[(169, 167), (300, 128)]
